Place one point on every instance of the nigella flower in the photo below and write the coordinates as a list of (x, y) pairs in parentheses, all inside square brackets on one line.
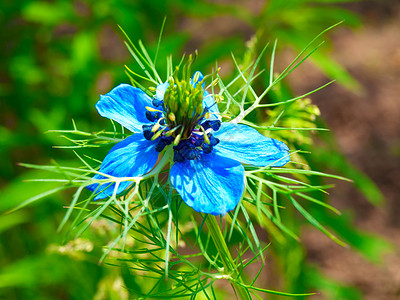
[(208, 154)]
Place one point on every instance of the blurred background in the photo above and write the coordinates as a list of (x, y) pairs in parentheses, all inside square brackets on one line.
[(58, 56)]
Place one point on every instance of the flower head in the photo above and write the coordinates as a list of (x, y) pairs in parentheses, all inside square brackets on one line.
[(208, 154)]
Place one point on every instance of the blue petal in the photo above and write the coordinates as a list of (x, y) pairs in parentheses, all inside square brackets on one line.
[(208, 100), (212, 184), (134, 156), (160, 90), (247, 145), (211, 105), (107, 189), (126, 105), (201, 76)]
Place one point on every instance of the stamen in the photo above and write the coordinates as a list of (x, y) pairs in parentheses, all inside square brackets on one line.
[(170, 132), (213, 140), (207, 148), (196, 139), (180, 117), (178, 157), (167, 140), (148, 134), (160, 146), (213, 124), (153, 116), (149, 108), (156, 102), (205, 136), (157, 125), (157, 134)]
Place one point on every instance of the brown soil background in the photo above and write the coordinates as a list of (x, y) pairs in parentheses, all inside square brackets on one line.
[(367, 128)]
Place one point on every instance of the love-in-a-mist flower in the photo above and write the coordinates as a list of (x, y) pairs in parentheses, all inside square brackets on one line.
[(206, 166)]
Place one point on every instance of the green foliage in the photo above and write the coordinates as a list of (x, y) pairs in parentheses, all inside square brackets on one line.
[(59, 56)]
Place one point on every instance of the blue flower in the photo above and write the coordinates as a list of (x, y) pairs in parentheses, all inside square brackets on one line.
[(207, 168)]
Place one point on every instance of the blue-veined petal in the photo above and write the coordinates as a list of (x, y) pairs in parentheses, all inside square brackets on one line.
[(211, 105), (126, 105), (247, 145), (208, 100), (212, 184), (134, 156), (160, 90)]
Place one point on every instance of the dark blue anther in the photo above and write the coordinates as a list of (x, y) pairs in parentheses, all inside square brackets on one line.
[(179, 146), (196, 140), (178, 157), (167, 139), (189, 144), (189, 154), (186, 149), (160, 146), (147, 131), (213, 124), (157, 102), (207, 148), (147, 127), (153, 116), (213, 140)]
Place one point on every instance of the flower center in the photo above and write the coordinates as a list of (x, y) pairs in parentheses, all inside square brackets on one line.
[(182, 118)]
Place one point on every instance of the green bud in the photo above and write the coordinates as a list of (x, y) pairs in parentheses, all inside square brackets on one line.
[(172, 117), (214, 82)]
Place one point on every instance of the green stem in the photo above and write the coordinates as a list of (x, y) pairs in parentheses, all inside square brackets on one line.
[(227, 260)]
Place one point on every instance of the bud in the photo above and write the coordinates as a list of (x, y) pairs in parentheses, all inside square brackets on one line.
[(214, 82), (172, 117)]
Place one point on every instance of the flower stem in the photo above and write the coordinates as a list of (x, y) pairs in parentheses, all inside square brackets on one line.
[(227, 260)]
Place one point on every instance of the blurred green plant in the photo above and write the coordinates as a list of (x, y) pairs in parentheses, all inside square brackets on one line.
[(58, 56), (264, 186)]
